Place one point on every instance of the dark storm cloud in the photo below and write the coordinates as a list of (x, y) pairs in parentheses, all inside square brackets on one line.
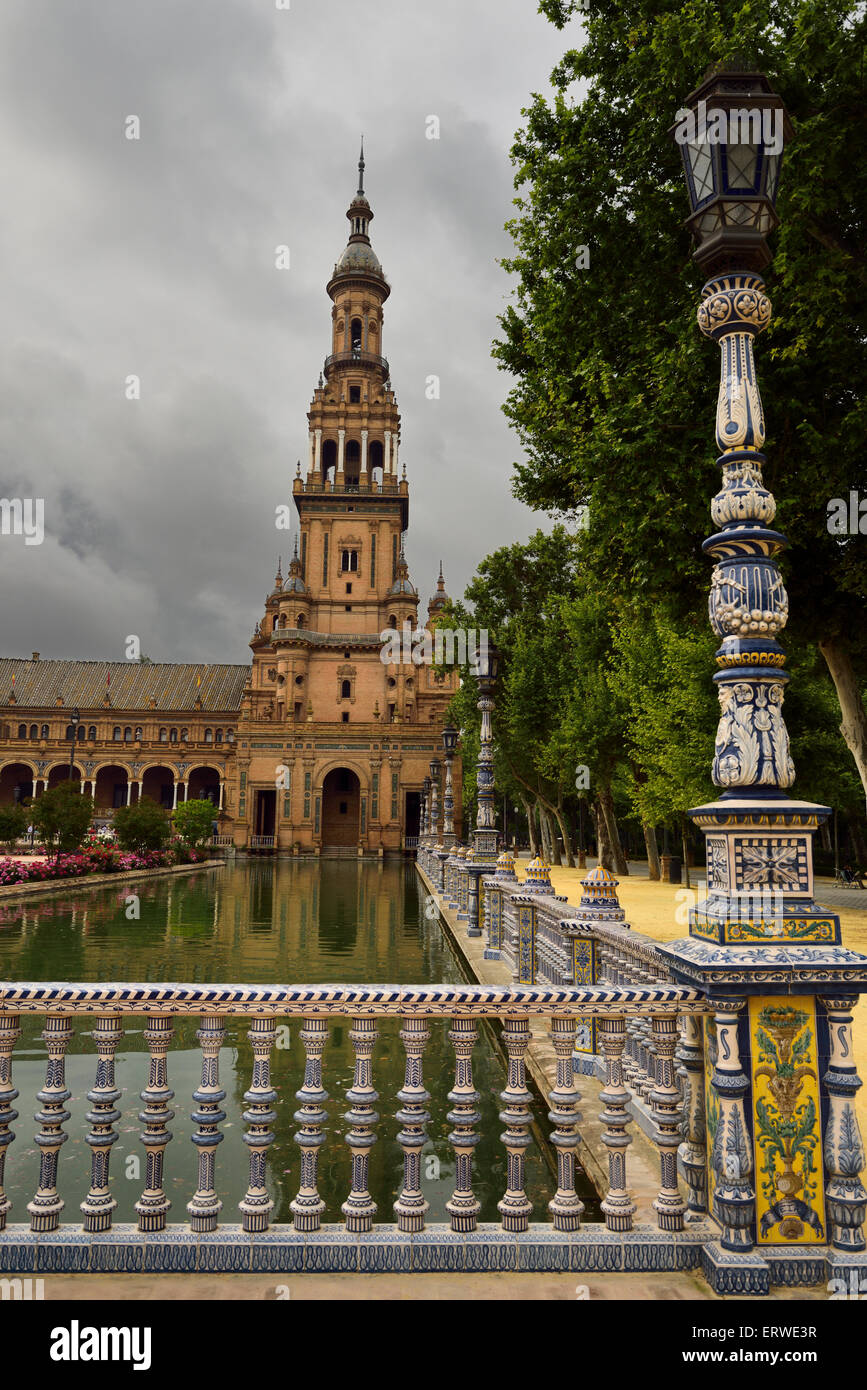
[(156, 258)]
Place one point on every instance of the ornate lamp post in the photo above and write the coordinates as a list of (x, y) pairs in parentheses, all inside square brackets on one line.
[(484, 852), (450, 744), (435, 769), (485, 837), (437, 853), (765, 953), (74, 721), (425, 824)]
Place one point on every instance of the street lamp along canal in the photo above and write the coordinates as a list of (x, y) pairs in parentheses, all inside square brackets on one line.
[(484, 852), (770, 960), (450, 744), (74, 721)]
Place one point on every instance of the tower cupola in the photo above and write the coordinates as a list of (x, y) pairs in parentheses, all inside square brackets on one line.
[(359, 257)]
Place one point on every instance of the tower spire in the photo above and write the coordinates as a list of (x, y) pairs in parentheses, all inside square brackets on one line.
[(361, 170)]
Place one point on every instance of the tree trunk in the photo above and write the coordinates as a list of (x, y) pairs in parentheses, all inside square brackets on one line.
[(567, 839), (555, 856), (684, 844), (854, 723), (530, 825), (858, 844), (603, 845), (653, 868), (544, 832), (825, 834), (582, 843), (606, 802)]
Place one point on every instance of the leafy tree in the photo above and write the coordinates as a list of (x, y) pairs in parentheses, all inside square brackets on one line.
[(615, 387), (62, 816), (143, 825), (14, 821), (194, 821)]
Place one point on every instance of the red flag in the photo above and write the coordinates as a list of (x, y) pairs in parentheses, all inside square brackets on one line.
[(107, 679)]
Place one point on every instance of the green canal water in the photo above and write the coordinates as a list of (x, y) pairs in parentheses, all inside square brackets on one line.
[(261, 922)]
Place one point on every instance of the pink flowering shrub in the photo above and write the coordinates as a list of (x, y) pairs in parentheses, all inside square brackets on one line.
[(96, 858)]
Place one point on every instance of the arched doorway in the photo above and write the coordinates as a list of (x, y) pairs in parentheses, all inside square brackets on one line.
[(204, 785), (16, 783), (110, 788), (60, 773), (341, 809), (159, 784)]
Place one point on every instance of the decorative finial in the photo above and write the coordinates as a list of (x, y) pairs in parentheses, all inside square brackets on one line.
[(361, 170), (298, 469)]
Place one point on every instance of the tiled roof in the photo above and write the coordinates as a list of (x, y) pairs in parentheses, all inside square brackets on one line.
[(82, 684)]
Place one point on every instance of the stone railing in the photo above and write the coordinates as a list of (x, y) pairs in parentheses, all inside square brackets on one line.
[(203, 1242), (781, 1164)]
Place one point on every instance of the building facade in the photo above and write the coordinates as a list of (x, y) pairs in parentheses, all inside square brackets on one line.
[(320, 744)]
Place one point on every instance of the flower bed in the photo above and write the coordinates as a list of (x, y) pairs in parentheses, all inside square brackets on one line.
[(95, 857)]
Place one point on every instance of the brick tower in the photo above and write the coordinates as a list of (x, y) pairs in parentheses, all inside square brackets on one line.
[(334, 744)]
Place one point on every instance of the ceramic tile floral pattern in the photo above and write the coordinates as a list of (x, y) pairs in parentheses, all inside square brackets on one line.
[(711, 1102), (787, 1121), (584, 973)]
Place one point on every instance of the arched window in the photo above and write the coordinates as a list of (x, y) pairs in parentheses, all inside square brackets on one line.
[(352, 464), (329, 459), (70, 731), (173, 736), (345, 690), (138, 733), (185, 733), (164, 735), (376, 457), (127, 734), (209, 736), (22, 730), (82, 733), (91, 733), (45, 732), (392, 620), (276, 622), (355, 334), (218, 736), (230, 737), (115, 733), (300, 620), (34, 730)]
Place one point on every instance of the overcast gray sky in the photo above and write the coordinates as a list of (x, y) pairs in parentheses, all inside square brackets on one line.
[(156, 257)]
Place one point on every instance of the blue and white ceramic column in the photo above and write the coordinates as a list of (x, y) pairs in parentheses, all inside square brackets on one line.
[(770, 959)]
